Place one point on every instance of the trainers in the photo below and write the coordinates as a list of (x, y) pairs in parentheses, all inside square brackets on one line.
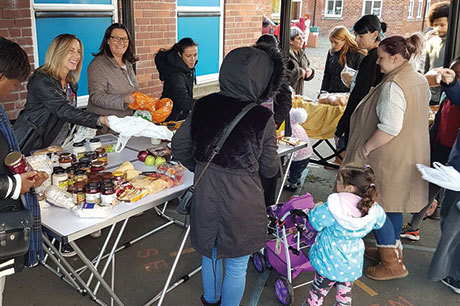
[(290, 187), (409, 233), (96, 234), (452, 284), (67, 251)]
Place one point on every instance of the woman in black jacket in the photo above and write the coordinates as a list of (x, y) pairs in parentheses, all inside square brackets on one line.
[(51, 105), (344, 51), (368, 30), (228, 218), (176, 67)]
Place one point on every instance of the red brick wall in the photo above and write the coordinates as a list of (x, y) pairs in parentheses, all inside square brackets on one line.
[(15, 24)]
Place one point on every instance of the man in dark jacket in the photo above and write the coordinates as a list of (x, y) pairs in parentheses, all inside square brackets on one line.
[(176, 67), (14, 68), (228, 217)]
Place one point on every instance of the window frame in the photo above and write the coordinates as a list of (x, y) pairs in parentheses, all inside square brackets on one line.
[(419, 9), (410, 13), (334, 8), (372, 7)]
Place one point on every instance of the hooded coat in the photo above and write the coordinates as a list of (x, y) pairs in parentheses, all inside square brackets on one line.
[(178, 81), (228, 208), (338, 251)]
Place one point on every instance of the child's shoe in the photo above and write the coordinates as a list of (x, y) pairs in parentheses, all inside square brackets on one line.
[(290, 187)]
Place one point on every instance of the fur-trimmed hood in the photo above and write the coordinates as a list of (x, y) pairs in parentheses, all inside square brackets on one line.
[(252, 74)]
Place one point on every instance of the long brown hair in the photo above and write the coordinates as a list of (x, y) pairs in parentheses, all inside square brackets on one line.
[(363, 179), (104, 48), (342, 33), (406, 47)]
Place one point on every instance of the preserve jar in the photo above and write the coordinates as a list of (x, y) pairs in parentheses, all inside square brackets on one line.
[(108, 194), (92, 193), (79, 149), (80, 176), (70, 176), (102, 155), (118, 177), (93, 177), (59, 178), (79, 193), (94, 144), (65, 160), (16, 162), (92, 155), (106, 175), (97, 166)]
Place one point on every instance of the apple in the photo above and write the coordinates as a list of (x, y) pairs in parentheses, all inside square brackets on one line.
[(142, 155), (150, 160), (160, 161)]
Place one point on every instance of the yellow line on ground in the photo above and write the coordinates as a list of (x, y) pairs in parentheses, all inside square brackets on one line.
[(185, 251), (366, 288)]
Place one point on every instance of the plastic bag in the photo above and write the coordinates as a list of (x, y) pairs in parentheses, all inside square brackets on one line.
[(443, 176), (59, 197), (347, 75), (135, 126), (159, 108), (41, 162), (92, 211), (78, 134)]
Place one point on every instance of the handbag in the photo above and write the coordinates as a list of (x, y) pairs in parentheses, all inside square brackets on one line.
[(185, 201), (15, 228)]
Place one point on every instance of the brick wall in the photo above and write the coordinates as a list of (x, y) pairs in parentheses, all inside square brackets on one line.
[(15, 24)]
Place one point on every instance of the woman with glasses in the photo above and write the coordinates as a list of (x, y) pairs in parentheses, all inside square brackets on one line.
[(111, 77), (176, 67), (298, 65), (51, 105)]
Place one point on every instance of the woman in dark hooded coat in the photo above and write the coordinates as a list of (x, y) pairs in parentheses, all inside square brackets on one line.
[(176, 67), (228, 218)]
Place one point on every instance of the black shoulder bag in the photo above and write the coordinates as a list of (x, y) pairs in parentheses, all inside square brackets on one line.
[(185, 201)]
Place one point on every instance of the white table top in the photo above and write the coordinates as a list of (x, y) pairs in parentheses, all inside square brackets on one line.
[(287, 149), (66, 224)]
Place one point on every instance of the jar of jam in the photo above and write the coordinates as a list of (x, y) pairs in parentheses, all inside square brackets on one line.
[(80, 176), (92, 155), (93, 177), (108, 194), (59, 178), (16, 162), (97, 166), (102, 155), (92, 193), (106, 175), (79, 149), (86, 167), (118, 177), (79, 193), (85, 160), (70, 176), (94, 144), (65, 160)]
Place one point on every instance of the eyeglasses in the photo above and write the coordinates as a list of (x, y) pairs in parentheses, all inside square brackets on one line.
[(118, 39)]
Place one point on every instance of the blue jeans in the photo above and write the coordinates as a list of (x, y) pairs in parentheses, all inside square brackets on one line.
[(389, 233), (234, 282), (296, 169)]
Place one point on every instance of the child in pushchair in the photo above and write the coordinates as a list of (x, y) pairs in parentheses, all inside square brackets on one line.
[(292, 234)]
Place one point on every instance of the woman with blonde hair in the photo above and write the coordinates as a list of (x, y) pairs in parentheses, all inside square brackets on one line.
[(51, 105), (344, 51)]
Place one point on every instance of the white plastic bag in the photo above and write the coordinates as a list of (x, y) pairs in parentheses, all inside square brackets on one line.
[(347, 75), (41, 162), (136, 126), (78, 134), (59, 197), (443, 176), (92, 211)]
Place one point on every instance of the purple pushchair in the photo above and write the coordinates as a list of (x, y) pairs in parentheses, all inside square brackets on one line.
[(292, 233)]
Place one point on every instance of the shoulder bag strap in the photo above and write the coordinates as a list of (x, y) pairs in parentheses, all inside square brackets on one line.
[(224, 137)]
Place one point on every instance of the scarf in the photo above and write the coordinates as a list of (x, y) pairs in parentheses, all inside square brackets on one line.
[(29, 199)]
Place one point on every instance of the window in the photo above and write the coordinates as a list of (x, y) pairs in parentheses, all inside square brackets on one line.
[(296, 9), (420, 9), (411, 9), (372, 7), (334, 8), (428, 5)]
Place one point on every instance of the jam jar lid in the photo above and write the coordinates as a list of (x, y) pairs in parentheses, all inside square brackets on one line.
[(80, 172), (92, 185), (59, 171), (118, 173), (79, 144), (65, 155), (13, 158), (94, 140), (100, 150), (97, 164)]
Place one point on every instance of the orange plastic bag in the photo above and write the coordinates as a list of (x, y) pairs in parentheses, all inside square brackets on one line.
[(159, 108)]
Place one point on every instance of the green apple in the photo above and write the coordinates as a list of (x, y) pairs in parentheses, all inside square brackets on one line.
[(160, 161), (150, 160)]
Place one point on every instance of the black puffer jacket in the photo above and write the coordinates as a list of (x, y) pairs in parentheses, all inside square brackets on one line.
[(178, 81), (229, 207), (331, 79), (45, 112)]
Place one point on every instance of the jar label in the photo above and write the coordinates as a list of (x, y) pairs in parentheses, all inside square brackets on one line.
[(93, 197), (107, 199), (62, 185), (65, 165), (78, 198)]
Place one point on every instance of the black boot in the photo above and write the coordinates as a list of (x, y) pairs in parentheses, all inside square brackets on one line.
[(209, 304)]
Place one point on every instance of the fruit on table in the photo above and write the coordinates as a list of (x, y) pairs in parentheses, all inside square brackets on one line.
[(142, 155), (150, 160), (160, 161)]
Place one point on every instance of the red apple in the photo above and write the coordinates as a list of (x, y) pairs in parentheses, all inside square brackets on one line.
[(142, 155)]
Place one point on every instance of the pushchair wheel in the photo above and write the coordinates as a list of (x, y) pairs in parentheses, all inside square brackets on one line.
[(284, 291), (258, 259)]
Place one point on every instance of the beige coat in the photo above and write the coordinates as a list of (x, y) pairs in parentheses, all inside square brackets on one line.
[(298, 62), (400, 185), (108, 85)]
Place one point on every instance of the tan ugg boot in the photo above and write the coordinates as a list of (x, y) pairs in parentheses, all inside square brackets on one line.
[(372, 252), (390, 267)]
